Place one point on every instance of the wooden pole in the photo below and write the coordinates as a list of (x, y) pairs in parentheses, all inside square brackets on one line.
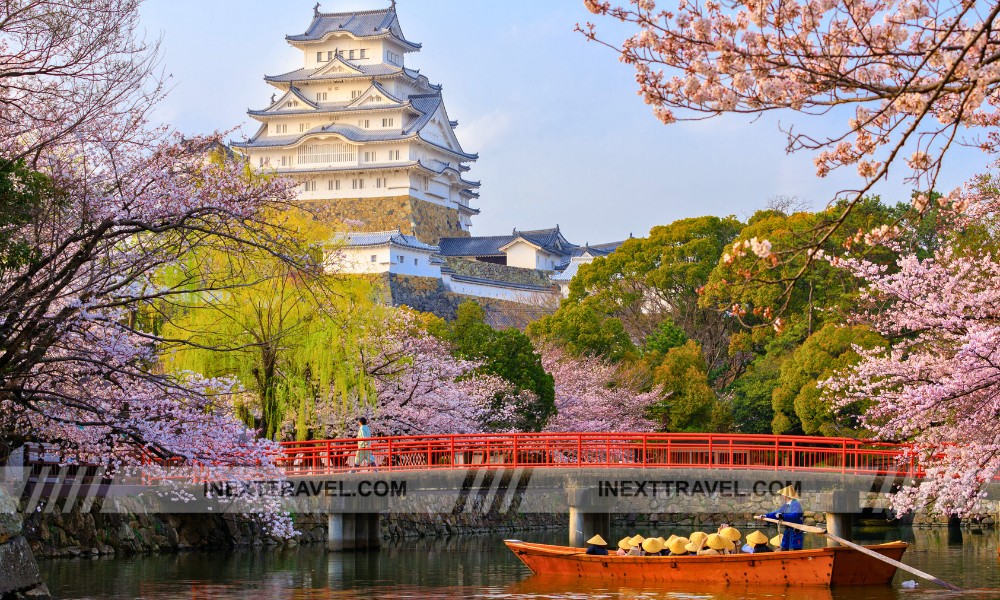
[(863, 550)]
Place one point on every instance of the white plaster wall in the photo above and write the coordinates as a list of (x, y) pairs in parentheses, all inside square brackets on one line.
[(480, 290), (414, 262), (358, 260), (522, 254)]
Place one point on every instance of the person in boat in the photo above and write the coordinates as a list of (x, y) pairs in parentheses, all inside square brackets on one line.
[(733, 535), (716, 545), (698, 539), (790, 512), (597, 546), (757, 543), (636, 549), (776, 542), (624, 545), (652, 546), (679, 547)]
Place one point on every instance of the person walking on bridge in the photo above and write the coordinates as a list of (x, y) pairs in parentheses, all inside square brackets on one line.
[(790, 512), (363, 455)]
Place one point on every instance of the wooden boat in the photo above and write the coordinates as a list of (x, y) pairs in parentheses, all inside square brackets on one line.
[(831, 566)]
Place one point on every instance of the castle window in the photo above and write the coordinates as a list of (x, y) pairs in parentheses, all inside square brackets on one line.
[(302, 127), (320, 96), (374, 257), (355, 94), (326, 153), (352, 54), (370, 156), (387, 122), (363, 123), (401, 259), (319, 57), (357, 184), (362, 53), (329, 184), (380, 182), (393, 154), (415, 261), (329, 55), (310, 186)]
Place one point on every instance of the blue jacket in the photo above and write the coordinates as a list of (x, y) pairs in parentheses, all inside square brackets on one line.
[(790, 512), (599, 550)]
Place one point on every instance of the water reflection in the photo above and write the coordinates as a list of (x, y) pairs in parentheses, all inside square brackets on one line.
[(479, 567)]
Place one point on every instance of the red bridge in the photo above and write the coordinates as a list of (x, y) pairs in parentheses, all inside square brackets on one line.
[(599, 450)]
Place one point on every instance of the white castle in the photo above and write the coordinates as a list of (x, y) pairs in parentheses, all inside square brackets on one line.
[(372, 146)]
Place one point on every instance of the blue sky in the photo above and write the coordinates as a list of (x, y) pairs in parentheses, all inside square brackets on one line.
[(562, 136)]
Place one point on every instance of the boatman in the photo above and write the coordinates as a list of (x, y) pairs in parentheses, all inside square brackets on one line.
[(790, 512), (597, 546)]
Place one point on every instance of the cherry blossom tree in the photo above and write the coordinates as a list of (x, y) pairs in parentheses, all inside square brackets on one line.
[(907, 78), (418, 387), (938, 385), (95, 204), (590, 396)]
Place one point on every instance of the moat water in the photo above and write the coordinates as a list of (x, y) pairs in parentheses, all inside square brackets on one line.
[(482, 567)]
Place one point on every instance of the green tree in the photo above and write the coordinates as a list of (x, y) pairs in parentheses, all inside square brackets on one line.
[(292, 337), (664, 337), (799, 405), (583, 330), (689, 403), (508, 354)]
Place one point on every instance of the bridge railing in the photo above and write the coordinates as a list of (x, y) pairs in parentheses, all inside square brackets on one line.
[(598, 450)]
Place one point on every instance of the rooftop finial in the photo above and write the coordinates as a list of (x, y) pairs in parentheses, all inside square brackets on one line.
[(272, 98), (316, 10), (393, 5)]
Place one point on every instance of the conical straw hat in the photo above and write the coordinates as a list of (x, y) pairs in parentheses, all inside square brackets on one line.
[(637, 539), (680, 546), (625, 543), (756, 538), (652, 545), (731, 533), (776, 541), (699, 536), (788, 492), (716, 542), (597, 540)]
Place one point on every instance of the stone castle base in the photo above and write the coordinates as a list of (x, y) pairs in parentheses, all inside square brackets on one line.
[(427, 221)]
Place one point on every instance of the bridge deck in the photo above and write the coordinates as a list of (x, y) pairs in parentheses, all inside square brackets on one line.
[(602, 450)]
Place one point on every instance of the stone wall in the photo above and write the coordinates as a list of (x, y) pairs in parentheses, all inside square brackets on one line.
[(427, 294), (19, 576), (428, 222), (95, 532)]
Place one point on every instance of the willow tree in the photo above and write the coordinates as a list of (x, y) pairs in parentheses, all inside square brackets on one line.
[(290, 335)]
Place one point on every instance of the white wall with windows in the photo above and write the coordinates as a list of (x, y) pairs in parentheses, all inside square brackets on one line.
[(388, 258)]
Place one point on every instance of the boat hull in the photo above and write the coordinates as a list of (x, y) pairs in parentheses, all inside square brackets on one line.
[(819, 567)]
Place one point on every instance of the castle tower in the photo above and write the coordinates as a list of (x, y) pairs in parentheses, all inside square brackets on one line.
[(367, 138)]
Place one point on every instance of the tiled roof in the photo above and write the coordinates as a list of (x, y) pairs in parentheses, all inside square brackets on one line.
[(550, 240), (473, 246), (500, 284), (381, 238), (367, 23), (376, 70)]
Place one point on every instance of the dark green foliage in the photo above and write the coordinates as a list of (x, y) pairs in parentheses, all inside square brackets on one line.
[(508, 354), (23, 193), (666, 336), (583, 330)]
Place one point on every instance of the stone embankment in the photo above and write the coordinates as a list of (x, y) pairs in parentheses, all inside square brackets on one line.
[(19, 576)]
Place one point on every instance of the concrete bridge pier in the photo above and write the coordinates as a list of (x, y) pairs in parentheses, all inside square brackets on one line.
[(352, 531), (587, 519), (841, 507)]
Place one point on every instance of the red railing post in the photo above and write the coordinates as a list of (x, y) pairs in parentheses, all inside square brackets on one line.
[(454, 459), (579, 449), (389, 458), (645, 455), (515, 449), (843, 458)]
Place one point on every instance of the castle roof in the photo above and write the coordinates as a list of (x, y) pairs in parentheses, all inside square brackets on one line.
[(361, 24), (474, 246), (393, 237), (425, 105), (550, 240)]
